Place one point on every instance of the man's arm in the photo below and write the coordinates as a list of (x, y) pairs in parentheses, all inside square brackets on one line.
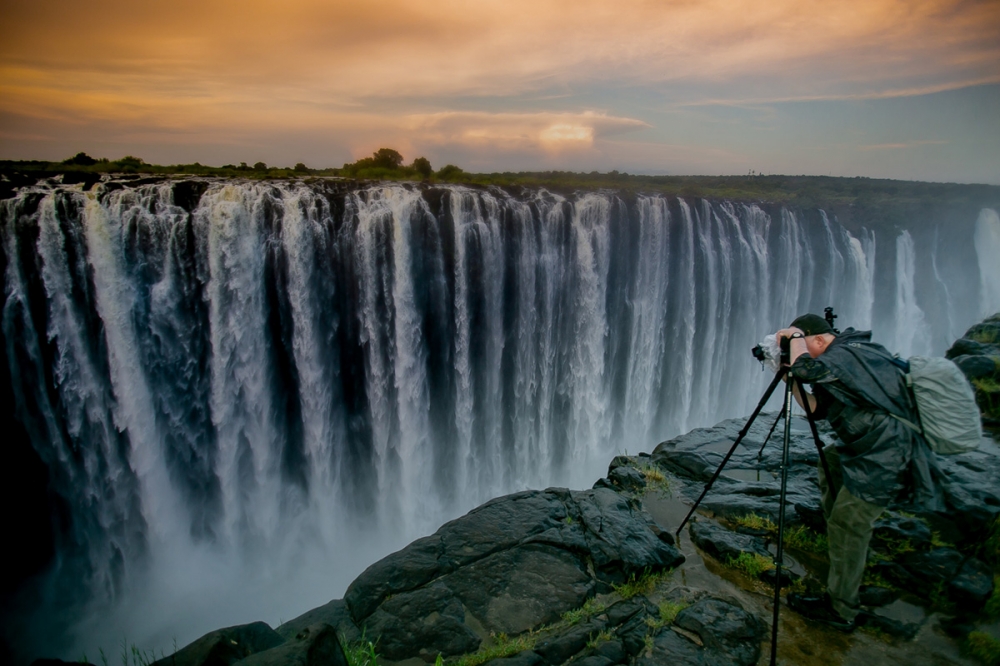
[(796, 348)]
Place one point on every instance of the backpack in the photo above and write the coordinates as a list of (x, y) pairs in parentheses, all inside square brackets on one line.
[(948, 414)]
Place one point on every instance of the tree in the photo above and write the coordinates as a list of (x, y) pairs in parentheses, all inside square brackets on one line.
[(81, 159), (259, 166), (300, 167), (387, 158), (423, 166), (450, 171)]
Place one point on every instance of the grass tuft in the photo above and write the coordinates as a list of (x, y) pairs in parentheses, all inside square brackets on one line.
[(752, 521), (984, 647), (645, 584), (603, 637), (752, 564), (589, 609), (361, 652), (804, 539), (501, 646)]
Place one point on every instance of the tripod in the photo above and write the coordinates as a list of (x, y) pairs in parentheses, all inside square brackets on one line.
[(786, 412)]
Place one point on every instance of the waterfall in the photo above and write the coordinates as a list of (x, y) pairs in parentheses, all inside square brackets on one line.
[(987, 250), (245, 392)]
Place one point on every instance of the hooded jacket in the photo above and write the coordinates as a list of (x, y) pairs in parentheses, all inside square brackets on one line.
[(858, 385)]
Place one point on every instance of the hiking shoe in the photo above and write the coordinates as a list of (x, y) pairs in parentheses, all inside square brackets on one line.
[(819, 609)]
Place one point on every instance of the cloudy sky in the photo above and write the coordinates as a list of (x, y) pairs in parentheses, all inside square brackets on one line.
[(880, 88)]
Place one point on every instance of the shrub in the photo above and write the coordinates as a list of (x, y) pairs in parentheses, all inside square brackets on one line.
[(423, 167)]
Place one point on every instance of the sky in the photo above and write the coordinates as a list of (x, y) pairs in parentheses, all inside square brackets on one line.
[(878, 88)]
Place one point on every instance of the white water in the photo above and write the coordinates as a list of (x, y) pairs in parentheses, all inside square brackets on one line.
[(260, 398)]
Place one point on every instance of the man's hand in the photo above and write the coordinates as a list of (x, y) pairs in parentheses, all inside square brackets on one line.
[(787, 332)]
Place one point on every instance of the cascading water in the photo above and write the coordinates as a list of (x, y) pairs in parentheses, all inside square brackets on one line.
[(246, 392)]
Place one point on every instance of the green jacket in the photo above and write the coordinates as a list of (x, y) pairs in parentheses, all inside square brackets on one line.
[(857, 386)]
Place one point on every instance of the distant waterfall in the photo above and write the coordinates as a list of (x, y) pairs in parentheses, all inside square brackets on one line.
[(275, 383)]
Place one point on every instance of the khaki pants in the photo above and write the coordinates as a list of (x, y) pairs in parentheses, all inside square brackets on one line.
[(849, 522)]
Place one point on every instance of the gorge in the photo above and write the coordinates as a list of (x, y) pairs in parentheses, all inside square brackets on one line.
[(241, 393)]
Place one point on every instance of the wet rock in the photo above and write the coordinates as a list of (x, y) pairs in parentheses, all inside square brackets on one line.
[(887, 625), (334, 613), (896, 528), (810, 512), (627, 478), (613, 651), (559, 648), (431, 619), (976, 367), (225, 646), (625, 610), (966, 347), (724, 545), (729, 634), (671, 649), (874, 596), (593, 660), (525, 658), (972, 586), (933, 567), (513, 564), (316, 645), (788, 577), (633, 633)]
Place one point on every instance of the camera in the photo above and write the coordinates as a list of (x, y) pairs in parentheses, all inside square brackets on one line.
[(770, 353)]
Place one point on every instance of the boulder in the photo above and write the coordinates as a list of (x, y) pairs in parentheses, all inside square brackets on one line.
[(315, 645), (334, 613), (728, 635), (896, 528), (724, 545), (976, 367), (513, 564), (972, 586), (627, 478), (223, 647), (560, 648)]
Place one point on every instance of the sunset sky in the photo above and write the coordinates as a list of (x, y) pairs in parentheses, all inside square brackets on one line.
[(853, 87)]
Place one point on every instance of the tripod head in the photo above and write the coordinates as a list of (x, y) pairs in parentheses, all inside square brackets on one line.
[(829, 316)]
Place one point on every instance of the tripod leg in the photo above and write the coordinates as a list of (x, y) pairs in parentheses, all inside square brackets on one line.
[(760, 405), (816, 439), (774, 425), (779, 557)]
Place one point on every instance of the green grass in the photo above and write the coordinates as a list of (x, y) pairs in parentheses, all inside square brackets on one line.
[(804, 539), (589, 609), (603, 637), (500, 646), (362, 652), (983, 647), (669, 611), (993, 603), (656, 480), (752, 521), (645, 584), (752, 564)]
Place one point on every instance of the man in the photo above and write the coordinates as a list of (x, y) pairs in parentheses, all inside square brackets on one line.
[(859, 388)]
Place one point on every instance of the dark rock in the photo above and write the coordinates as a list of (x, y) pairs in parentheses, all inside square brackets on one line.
[(316, 645), (59, 662), (334, 613), (604, 483), (875, 596), (724, 545), (936, 566), (559, 648), (429, 619), (810, 512), (729, 633), (626, 609), (672, 649), (633, 634), (613, 651), (619, 461), (896, 528), (972, 586), (966, 347), (593, 660), (525, 658), (975, 367), (225, 646), (627, 478), (518, 589), (887, 625), (788, 577)]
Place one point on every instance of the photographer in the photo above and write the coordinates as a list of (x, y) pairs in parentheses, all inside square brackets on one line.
[(857, 386)]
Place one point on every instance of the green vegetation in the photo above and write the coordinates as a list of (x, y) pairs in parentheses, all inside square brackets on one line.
[(669, 611), (752, 521), (752, 564), (500, 646), (645, 584), (656, 480), (993, 603), (589, 609), (603, 637), (990, 549), (984, 647), (854, 197), (361, 652), (988, 396)]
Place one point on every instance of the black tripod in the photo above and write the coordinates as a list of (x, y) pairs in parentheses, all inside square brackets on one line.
[(786, 412)]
